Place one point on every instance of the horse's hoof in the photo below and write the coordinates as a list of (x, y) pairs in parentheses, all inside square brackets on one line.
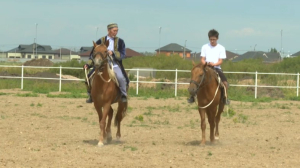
[(118, 139), (109, 139), (202, 144), (216, 138), (100, 144)]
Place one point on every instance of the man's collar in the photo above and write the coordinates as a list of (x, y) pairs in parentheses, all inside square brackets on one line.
[(107, 37)]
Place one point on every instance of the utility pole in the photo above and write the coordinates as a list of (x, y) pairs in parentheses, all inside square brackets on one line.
[(184, 49), (159, 40), (97, 32), (36, 39), (281, 42)]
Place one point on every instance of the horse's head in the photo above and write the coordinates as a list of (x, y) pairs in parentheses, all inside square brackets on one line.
[(198, 76), (100, 54)]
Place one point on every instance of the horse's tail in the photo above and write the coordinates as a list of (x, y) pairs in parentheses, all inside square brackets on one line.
[(124, 112)]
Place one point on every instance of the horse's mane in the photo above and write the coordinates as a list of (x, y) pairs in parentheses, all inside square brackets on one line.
[(199, 65)]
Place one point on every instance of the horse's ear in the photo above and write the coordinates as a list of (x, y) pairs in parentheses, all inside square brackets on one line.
[(205, 64), (193, 63), (94, 44), (107, 43)]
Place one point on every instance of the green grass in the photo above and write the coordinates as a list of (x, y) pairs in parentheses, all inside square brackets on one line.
[(165, 122), (132, 148), (39, 115), (241, 118), (27, 95), (139, 118), (68, 95), (67, 118), (1, 94), (229, 114)]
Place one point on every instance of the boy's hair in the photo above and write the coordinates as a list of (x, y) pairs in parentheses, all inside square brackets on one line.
[(213, 33)]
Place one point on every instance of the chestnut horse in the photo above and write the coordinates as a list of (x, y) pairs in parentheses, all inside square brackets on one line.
[(105, 92), (205, 84)]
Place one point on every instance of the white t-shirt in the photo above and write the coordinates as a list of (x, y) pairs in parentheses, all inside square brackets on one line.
[(213, 53)]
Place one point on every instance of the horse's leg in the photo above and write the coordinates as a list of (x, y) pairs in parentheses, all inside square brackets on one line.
[(218, 117), (203, 125), (100, 114), (102, 138), (118, 119), (108, 127), (211, 119)]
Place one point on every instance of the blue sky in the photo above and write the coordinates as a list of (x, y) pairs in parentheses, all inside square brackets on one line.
[(72, 23)]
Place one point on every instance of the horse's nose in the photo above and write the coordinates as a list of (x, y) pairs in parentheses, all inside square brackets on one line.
[(192, 90), (97, 62)]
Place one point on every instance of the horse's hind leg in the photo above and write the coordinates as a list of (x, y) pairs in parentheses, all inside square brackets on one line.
[(218, 117), (118, 119), (108, 127)]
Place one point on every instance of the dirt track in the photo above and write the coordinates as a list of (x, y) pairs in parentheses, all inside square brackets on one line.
[(54, 132)]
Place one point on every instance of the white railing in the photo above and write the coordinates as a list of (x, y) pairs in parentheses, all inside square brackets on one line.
[(176, 83)]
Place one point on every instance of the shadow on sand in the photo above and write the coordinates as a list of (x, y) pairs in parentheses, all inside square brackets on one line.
[(94, 142), (197, 143)]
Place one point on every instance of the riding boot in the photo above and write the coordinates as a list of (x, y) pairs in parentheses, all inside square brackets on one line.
[(124, 98), (191, 99), (225, 99), (89, 99)]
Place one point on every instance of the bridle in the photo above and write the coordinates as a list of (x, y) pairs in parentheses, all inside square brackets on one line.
[(103, 62), (201, 81)]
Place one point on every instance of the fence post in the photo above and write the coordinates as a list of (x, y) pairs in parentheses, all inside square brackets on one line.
[(59, 78), (176, 83), (255, 85), (22, 77), (298, 84), (137, 81)]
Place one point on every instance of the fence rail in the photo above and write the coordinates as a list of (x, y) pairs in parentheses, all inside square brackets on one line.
[(176, 83)]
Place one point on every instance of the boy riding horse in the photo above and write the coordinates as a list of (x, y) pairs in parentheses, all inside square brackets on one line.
[(213, 54), (116, 49)]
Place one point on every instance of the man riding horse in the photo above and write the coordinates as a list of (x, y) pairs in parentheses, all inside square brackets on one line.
[(116, 49), (213, 54)]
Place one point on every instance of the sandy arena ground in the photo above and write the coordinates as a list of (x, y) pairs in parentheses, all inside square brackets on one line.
[(56, 132)]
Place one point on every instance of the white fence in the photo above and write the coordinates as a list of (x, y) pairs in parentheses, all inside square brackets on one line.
[(176, 83)]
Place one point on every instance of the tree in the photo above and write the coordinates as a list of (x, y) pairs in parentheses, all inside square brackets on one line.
[(273, 50)]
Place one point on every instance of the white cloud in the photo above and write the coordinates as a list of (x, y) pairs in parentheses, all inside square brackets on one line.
[(245, 32)]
